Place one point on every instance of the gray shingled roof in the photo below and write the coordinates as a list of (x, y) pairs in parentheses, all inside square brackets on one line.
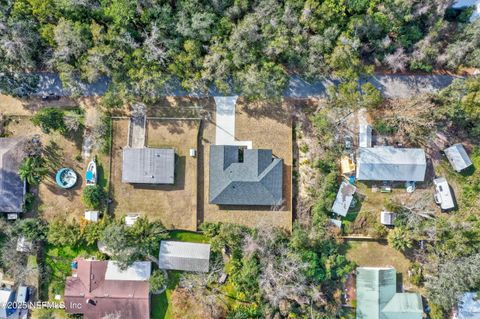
[(458, 157), (258, 180), (176, 255), (12, 188), (391, 164), (148, 165)]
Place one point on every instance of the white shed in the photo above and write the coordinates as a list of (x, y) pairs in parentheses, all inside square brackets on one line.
[(92, 215), (387, 218), (458, 157)]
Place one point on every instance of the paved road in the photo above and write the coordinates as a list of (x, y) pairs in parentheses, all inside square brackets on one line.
[(402, 86)]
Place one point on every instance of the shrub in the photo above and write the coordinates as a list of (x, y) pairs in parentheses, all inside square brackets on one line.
[(157, 280), (50, 119), (93, 196), (384, 128)]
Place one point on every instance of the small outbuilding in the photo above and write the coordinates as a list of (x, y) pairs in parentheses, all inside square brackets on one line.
[(344, 199), (92, 215), (176, 255), (458, 157), (131, 219), (443, 194), (387, 218), (148, 165)]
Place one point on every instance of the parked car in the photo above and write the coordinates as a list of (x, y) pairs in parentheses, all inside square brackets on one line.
[(348, 142), (50, 97)]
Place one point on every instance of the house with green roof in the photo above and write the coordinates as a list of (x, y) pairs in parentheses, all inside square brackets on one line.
[(377, 296)]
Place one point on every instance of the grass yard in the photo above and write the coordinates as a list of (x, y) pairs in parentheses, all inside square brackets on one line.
[(374, 254), (175, 205), (58, 260), (180, 235), (463, 184), (365, 216), (250, 123)]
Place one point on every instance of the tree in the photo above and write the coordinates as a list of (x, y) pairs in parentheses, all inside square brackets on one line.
[(453, 279), (93, 196), (50, 119), (64, 233), (400, 239), (119, 244), (33, 229), (33, 170)]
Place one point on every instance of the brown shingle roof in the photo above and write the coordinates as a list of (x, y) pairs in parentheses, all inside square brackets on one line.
[(91, 295)]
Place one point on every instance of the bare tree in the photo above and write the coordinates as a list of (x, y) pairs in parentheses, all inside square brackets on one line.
[(397, 61)]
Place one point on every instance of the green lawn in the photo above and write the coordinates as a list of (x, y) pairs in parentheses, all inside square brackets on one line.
[(182, 235), (161, 304)]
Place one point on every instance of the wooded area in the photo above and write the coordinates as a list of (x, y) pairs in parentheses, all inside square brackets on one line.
[(250, 45)]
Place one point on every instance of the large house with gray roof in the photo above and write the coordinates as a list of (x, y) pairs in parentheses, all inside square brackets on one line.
[(239, 176), (12, 188)]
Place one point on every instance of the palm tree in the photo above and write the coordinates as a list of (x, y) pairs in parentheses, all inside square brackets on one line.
[(33, 170), (400, 239)]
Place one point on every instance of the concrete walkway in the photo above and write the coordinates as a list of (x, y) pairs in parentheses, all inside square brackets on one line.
[(393, 86), (137, 131), (225, 122)]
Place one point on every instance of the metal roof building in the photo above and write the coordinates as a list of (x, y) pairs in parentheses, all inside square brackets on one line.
[(239, 176), (377, 296), (176, 255), (12, 188), (458, 157), (468, 307), (365, 136), (148, 165), (344, 199), (388, 163)]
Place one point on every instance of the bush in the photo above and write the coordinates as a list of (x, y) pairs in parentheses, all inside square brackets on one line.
[(157, 280), (384, 128), (50, 119), (93, 197)]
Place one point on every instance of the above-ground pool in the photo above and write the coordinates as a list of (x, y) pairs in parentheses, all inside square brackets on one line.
[(66, 178)]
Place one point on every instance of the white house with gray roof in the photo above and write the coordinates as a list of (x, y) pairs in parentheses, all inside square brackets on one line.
[(239, 176), (148, 165), (12, 188), (388, 163), (176, 255), (458, 157)]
